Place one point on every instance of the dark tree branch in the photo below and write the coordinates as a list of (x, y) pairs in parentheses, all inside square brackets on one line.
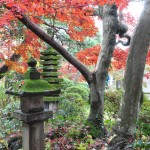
[(122, 29), (53, 26), (4, 68), (127, 43), (48, 39), (60, 49)]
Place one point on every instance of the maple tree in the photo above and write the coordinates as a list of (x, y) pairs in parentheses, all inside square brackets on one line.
[(89, 57), (75, 18)]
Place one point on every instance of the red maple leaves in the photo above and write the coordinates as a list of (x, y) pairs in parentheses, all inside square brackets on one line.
[(76, 15)]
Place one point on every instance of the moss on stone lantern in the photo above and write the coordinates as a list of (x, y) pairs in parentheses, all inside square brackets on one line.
[(50, 65), (33, 89)]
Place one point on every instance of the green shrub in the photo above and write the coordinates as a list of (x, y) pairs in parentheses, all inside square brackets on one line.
[(66, 83), (142, 136), (81, 90), (93, 130), (83, 86), (11, 80), (74, 133), (72, 96), (72, 108), (145, 98), (8, 123), (145, 112), (4, 100), (112, 101)]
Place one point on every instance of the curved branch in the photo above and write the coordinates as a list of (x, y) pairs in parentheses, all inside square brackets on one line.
[(4, 68), (127, 43), (60, 49)]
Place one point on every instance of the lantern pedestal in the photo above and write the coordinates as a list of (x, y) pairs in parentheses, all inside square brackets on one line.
[(33, 128)]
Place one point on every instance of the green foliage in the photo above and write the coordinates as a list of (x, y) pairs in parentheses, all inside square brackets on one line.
[(68, 128), (146, 129), (72, 96), (83, 86), (8, 104), (141, 143), (109, 122), (12, 80), (47, 144), (74, 133), (143, 129), (93, 131), (8, 124), (3, 98), (71, 107), (145, 112), (145, 98), (112, 102), (81, 146), (82, 90), (73, 137), (66, 83)]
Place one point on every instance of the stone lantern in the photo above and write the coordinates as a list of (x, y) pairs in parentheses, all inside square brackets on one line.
[(32, 112), (50, 64)]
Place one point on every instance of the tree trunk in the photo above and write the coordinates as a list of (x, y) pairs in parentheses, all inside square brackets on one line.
[(97, 86), (130, 105)]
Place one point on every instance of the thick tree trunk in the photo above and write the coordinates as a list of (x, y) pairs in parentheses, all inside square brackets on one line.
[(130, 105), (97, 87)]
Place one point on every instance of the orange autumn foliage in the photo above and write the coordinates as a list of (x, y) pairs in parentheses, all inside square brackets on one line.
[(119, 58), (20, 67), (31, 46), (76, 15), (89, 55)]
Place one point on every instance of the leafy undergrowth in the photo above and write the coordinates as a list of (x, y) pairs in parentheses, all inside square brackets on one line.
[(73, 137), (79, 136)]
